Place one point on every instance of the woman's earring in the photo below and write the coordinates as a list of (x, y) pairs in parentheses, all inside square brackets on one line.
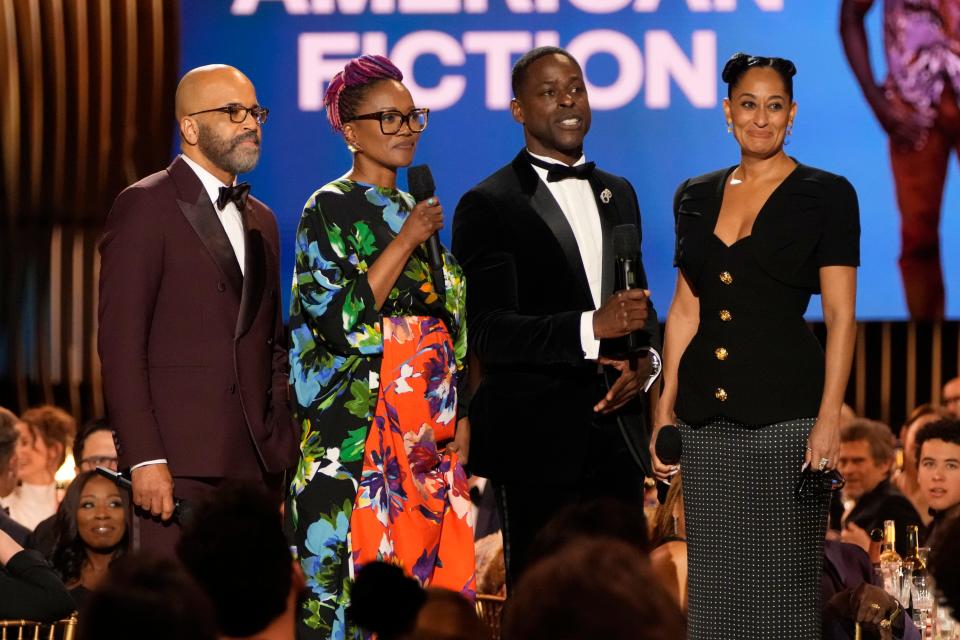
[(352, 149), (786, 140), (729, 127)]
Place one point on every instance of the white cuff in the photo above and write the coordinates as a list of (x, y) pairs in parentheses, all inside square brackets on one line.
[(656, 364), (148, 462), (589, 344)]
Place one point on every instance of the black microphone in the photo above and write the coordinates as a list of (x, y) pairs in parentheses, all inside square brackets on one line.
[(669, 448), (181, 509), (421, 186), (626, 250)]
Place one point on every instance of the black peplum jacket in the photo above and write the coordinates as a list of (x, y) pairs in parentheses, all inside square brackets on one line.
[(754, 359)]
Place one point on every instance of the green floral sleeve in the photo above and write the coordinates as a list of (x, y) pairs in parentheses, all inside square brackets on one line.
[(330, 284)]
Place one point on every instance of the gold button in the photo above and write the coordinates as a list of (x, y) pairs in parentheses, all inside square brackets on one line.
[(720, 394), (725, 315), (721, 353), (726, 277)]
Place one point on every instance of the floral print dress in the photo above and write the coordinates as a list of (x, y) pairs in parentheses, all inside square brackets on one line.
[(374, 392)]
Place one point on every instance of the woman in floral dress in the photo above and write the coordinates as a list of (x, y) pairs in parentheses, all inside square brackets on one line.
[(375, 359)]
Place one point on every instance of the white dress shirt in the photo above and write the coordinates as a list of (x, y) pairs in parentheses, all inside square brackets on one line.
[(229, 215), (232, 223), (579, 207)]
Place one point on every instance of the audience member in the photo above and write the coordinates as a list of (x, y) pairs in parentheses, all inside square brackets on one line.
[(8, 474), (45, 434), (233, 546), (951, 397), (669, 556), (865, 460), (386, 602), (29, 588), (938, 454), (93, 447), (91, 533), (592, 588), (147, 598), (906, 479), (607, 517), (945, 563)]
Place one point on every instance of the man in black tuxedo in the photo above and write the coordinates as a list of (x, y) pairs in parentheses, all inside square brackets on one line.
[(554, 422)]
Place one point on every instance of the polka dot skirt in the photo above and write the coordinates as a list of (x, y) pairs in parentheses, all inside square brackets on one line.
[(754, 548)]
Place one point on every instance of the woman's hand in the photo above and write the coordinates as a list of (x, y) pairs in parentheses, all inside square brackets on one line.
[(823, 444), (424, 220), (662, 472), (461, 440)]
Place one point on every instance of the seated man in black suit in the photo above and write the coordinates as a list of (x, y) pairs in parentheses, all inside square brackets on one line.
[(938, 474), (866, 457), (8, 473), (556, 419)]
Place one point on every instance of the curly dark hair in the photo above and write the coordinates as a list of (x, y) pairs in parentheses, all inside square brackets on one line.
[(739, 63), (70, 551), (947, 430)]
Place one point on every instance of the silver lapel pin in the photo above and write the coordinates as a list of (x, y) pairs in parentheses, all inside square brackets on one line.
[(606, 196)]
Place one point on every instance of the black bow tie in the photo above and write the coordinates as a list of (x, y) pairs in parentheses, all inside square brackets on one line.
[(236, 194), (557, 171)]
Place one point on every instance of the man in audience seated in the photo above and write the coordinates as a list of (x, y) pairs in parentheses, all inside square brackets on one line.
[(29, 588), (938, 473), (95, 446), (593, 587), (233, 546), (866, 457), (951, 397), (148, 598), (8, 474), (945, 564)]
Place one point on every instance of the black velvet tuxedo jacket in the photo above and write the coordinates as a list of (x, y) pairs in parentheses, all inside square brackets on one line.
[(193, 350), (526, 290)]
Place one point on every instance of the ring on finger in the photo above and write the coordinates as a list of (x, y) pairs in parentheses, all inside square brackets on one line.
[(823, 463), (875, 606)]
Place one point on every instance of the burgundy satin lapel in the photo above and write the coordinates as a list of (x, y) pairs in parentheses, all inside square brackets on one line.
[(254, 272), (203, 218)]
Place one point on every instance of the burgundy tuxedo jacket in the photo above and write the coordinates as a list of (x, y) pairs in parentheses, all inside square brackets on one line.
[(193, 350)]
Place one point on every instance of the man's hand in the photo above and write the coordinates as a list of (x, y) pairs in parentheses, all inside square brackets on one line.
[(868, 605), (623, 312), (461, 440), (633, 375), (153, 489), (856, 535)]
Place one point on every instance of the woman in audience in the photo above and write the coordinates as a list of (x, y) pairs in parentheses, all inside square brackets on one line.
[(91, 533), (906, 479), (29, 588), (669, 556), (45, 435)]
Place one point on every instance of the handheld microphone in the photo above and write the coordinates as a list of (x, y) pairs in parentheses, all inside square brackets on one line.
[(180, 508), (421, 186), (669, 448), (626, 249)]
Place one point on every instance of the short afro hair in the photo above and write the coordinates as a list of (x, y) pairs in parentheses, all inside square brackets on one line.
[(519, 74)]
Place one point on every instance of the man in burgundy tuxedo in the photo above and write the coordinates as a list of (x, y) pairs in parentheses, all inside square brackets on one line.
[(191, 338)]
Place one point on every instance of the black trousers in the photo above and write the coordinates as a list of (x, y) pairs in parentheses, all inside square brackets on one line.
[(526, 507)]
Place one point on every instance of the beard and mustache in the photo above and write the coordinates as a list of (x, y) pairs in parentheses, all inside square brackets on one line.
[(226, 153)]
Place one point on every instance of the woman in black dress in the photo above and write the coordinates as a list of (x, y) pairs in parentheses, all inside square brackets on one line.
[(756, 399)]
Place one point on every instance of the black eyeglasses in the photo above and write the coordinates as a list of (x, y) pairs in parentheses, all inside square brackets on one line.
[(238, 113), (391, 121)]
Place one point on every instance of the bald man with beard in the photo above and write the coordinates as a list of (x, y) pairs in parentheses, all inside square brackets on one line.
[(191, 337)]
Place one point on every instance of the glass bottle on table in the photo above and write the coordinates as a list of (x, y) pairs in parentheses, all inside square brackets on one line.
[(921, 589), (891, 564)]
